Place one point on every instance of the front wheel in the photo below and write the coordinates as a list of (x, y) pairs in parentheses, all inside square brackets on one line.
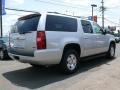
[(111, 51), (69, 62)]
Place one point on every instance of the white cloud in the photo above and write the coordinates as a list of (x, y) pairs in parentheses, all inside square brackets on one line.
[(14, 2), (10, 19), (112, 3), (79, 2), (108, 3), (18, 1)]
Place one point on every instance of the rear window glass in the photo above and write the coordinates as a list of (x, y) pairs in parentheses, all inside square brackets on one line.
[(59, 23), (24, 26)]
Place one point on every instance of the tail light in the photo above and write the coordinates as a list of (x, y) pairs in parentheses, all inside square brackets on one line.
[(41, 40)]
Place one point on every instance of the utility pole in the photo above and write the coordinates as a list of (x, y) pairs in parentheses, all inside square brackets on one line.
[(1, 18), (102, 13), (119, 24)]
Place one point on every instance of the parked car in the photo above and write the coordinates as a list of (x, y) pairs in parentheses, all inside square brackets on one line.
[(116, 36), (52, 38), (117, 39), (108, 31), (3, 48)]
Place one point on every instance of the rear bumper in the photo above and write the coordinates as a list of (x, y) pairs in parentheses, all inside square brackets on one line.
[(42, 57)]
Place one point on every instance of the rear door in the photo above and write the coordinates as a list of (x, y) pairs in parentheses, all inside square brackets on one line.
[(23, 35)]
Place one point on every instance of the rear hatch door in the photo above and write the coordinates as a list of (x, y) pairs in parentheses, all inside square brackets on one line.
[(23, 35)]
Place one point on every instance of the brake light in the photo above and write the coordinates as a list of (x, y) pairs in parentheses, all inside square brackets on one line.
[(41, 40)]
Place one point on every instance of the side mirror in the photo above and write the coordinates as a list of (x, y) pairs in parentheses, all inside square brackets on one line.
[(104, 31)]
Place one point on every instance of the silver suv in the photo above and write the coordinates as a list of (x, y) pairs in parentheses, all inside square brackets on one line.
[(52, 38)]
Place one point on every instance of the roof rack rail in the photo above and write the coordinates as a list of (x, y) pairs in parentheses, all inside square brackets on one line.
[(78, 16), (54, 12), (59, 13), (64, 14)]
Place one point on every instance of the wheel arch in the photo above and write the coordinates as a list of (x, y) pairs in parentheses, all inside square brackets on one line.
[(74, 46), (113, 42)]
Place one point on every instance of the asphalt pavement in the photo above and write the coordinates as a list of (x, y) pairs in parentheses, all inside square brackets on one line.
[(96, 74)]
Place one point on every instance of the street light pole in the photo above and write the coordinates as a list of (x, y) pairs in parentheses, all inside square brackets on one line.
[(93, 5), (92, 12)]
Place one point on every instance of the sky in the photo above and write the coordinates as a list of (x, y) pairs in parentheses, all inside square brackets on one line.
[(71, 7)]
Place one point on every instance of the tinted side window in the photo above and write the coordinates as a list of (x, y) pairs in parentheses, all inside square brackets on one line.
[(59, 23), (87, 28)]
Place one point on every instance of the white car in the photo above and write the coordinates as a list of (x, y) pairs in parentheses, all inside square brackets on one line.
[(52, 38)]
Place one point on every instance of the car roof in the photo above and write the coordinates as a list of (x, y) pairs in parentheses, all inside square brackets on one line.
[(55, 14), (59, 14), (65, 15)]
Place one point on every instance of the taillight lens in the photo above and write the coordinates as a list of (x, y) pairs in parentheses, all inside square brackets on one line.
[(41, 40)]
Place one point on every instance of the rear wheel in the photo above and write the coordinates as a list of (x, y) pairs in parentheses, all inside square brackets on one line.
[(69, 62), (111, 51)]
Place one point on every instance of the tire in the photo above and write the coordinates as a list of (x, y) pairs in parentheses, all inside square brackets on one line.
[(70, 61), (111, 51), (2, 55)]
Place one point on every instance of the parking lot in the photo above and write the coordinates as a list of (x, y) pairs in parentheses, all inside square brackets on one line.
[(96, 74)]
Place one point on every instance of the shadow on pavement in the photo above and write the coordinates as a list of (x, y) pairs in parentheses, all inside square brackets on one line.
[(34, 78), (6, 60)]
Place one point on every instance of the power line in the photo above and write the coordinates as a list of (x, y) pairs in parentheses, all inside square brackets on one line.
[(78, 6), (46, 2), (110, 20), (37, 12), (13, 14), (113, 7), (20, 10), (68, 3)]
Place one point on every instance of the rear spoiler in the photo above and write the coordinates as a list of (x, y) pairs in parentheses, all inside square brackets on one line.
[(29, 16)]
